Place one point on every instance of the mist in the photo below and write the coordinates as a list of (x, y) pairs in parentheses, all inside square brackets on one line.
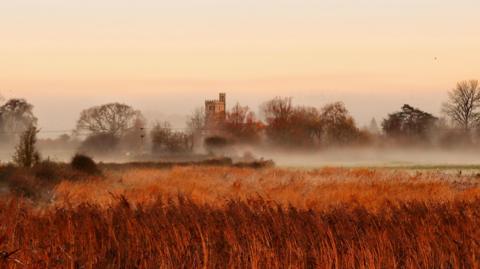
[(58, 110), (59, 118), (371, 157)]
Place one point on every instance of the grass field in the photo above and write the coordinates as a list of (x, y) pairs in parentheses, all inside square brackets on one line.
[(228, 217)]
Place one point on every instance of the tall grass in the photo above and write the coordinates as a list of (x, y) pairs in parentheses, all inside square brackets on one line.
[(305, 189), (243, 218)]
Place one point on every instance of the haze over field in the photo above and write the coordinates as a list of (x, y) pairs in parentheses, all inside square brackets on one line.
[(166, 57), (239, 134)]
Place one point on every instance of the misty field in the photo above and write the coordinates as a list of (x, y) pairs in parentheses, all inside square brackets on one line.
[(227, 217)]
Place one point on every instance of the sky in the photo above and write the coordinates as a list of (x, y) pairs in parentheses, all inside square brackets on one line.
[(166, 57)]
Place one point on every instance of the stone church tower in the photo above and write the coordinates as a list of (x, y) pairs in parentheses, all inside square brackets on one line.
[(215, 111)]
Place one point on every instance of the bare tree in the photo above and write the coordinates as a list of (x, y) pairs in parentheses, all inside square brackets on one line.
[(195, 127), (463, 104), (196, 122), (114, 118), (165, 140), (241, 123), (16, 116), (277, 113), (305, 127), (278, 109), (338, 127)]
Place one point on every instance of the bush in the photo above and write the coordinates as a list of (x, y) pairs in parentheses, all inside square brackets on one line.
[(46, 171), (24, 184), (164, 140), (6, 172), (256, 164), (216, 143), (26, 154), (84, 164), (20, 181)]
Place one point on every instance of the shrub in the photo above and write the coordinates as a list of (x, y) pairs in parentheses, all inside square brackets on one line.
[(216, 143), (6, 172), (258, 164), (20, 181), (164, 140), (26, 154), (45, 170), (49, 172), (84, 164)]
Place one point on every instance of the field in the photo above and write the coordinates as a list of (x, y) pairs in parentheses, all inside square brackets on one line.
[(232, 217)]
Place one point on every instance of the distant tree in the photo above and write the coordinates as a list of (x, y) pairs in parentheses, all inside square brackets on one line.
[(165, 140), (160, 135), (115, 119), (134, 138), (196, 121), (451, 138), (26, 154), (338, 127), (242, 124), (64, 138), (62, 143), (373, 127), (410, 124), (16, 116), (100, 144), (305, 127), (278, 113), (195, 126), (463, 105)]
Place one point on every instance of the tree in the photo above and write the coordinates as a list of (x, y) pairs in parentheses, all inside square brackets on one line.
[(373, 127), (100, 144), (410, 124), (133, 139), (277, 113), (305, 127), (196, 121), (463, 105), (338, 127), (164, 140), (242, 124), (114, 118), (308, 127), (195, 127), (26, 154), (16, 116)]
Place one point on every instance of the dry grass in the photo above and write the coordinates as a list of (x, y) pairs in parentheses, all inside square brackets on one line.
[(220, 217), (303, 189)]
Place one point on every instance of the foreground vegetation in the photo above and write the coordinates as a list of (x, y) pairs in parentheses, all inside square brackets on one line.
[(231, 217)]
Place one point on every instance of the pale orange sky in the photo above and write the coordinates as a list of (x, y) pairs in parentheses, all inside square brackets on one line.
[(167, 56)]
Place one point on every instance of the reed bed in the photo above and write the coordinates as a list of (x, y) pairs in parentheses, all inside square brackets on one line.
[(221, 217)]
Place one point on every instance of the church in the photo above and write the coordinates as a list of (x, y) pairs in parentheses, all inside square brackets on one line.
[(215, 112)]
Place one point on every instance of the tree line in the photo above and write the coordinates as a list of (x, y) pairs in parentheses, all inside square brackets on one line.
[(116, 127)]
